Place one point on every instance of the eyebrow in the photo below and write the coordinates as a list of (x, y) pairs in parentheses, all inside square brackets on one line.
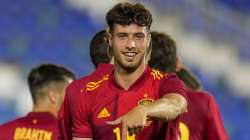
[(122, 33), (125, 33), (139, 33)]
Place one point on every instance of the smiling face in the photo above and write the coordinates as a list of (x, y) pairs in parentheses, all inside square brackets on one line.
[(129, 44)]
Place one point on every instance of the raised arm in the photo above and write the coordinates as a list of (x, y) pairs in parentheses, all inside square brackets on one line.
[(172, 103), (166, 108)]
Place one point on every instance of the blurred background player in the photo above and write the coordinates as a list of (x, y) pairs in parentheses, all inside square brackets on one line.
[(99, 48), (47, 84), (201, 104), (202, 119), (129, 38), (100, 58)]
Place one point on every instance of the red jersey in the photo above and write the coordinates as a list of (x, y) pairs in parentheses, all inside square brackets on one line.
[(202, 121), (34, 126), (94, 102), (64, 115)]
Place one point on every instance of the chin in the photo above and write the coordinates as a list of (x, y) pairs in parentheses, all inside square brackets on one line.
[(130, 67)]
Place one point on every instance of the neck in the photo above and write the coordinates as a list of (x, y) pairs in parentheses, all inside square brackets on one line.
[(126, 78), (43, 107)]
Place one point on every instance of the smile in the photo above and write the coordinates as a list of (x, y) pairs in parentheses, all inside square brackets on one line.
[(130, 54)]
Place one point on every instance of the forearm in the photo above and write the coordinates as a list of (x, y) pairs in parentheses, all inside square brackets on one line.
[(167, 108)]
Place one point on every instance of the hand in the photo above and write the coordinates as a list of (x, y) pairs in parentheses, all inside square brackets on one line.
[(133, 122)]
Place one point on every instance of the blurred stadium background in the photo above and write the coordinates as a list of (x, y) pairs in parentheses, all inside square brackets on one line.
[(213, 37)]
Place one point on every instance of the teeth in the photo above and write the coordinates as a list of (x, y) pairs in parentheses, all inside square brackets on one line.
[(130, 54)]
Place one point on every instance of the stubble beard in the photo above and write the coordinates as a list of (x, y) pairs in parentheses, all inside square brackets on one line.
[(129, 68)]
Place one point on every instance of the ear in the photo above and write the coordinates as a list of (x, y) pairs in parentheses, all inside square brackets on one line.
[(109, 52), (149, 45), (178, 64), (109, 37), (52, 96), (149, 49), (109, 48), (149, 39)]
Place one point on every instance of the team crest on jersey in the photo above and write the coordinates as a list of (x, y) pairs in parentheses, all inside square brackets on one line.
[(145, 101), (90, 86), (157, 75)]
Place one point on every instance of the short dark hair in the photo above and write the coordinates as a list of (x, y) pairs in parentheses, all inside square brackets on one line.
[(189, 79), (127, 13), (163, 55), (45, 74), (99, 48)]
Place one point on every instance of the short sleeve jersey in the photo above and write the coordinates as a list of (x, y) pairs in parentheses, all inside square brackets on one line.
[(202, 119), (64, 115), (34, 126), (103, 100)]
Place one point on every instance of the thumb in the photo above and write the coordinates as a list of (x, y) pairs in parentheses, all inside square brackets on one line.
[(115, 122)]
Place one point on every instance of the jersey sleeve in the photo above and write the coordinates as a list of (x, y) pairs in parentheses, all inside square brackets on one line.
[(172, 84), (216, 130), (77, 105), (64, 120)]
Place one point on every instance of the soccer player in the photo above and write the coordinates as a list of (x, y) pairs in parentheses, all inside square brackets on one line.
[(101, 57), (99, 49), (202, 121), (119, 103), (47, 84)]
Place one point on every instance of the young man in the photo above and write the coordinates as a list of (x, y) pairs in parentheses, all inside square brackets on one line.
[(119, 104), (202, 121), (100, 57), (47, 84)]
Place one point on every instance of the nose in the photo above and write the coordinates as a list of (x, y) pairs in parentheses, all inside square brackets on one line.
[(131, 43)]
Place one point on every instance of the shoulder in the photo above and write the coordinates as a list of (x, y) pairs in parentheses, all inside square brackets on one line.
[(170, 79), (100, 74), (163, 76), (76, 85), (202, 98), (201, 95), (159, 75), (11, 124), (80, 87), (96, 83)]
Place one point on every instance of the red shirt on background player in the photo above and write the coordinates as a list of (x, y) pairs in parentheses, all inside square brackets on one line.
[(100, 58), (202, 121), (64, 115), (34, 126), (47, 84)]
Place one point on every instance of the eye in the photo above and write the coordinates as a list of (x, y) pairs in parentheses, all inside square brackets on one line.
[(122, 36), (139, 36)]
